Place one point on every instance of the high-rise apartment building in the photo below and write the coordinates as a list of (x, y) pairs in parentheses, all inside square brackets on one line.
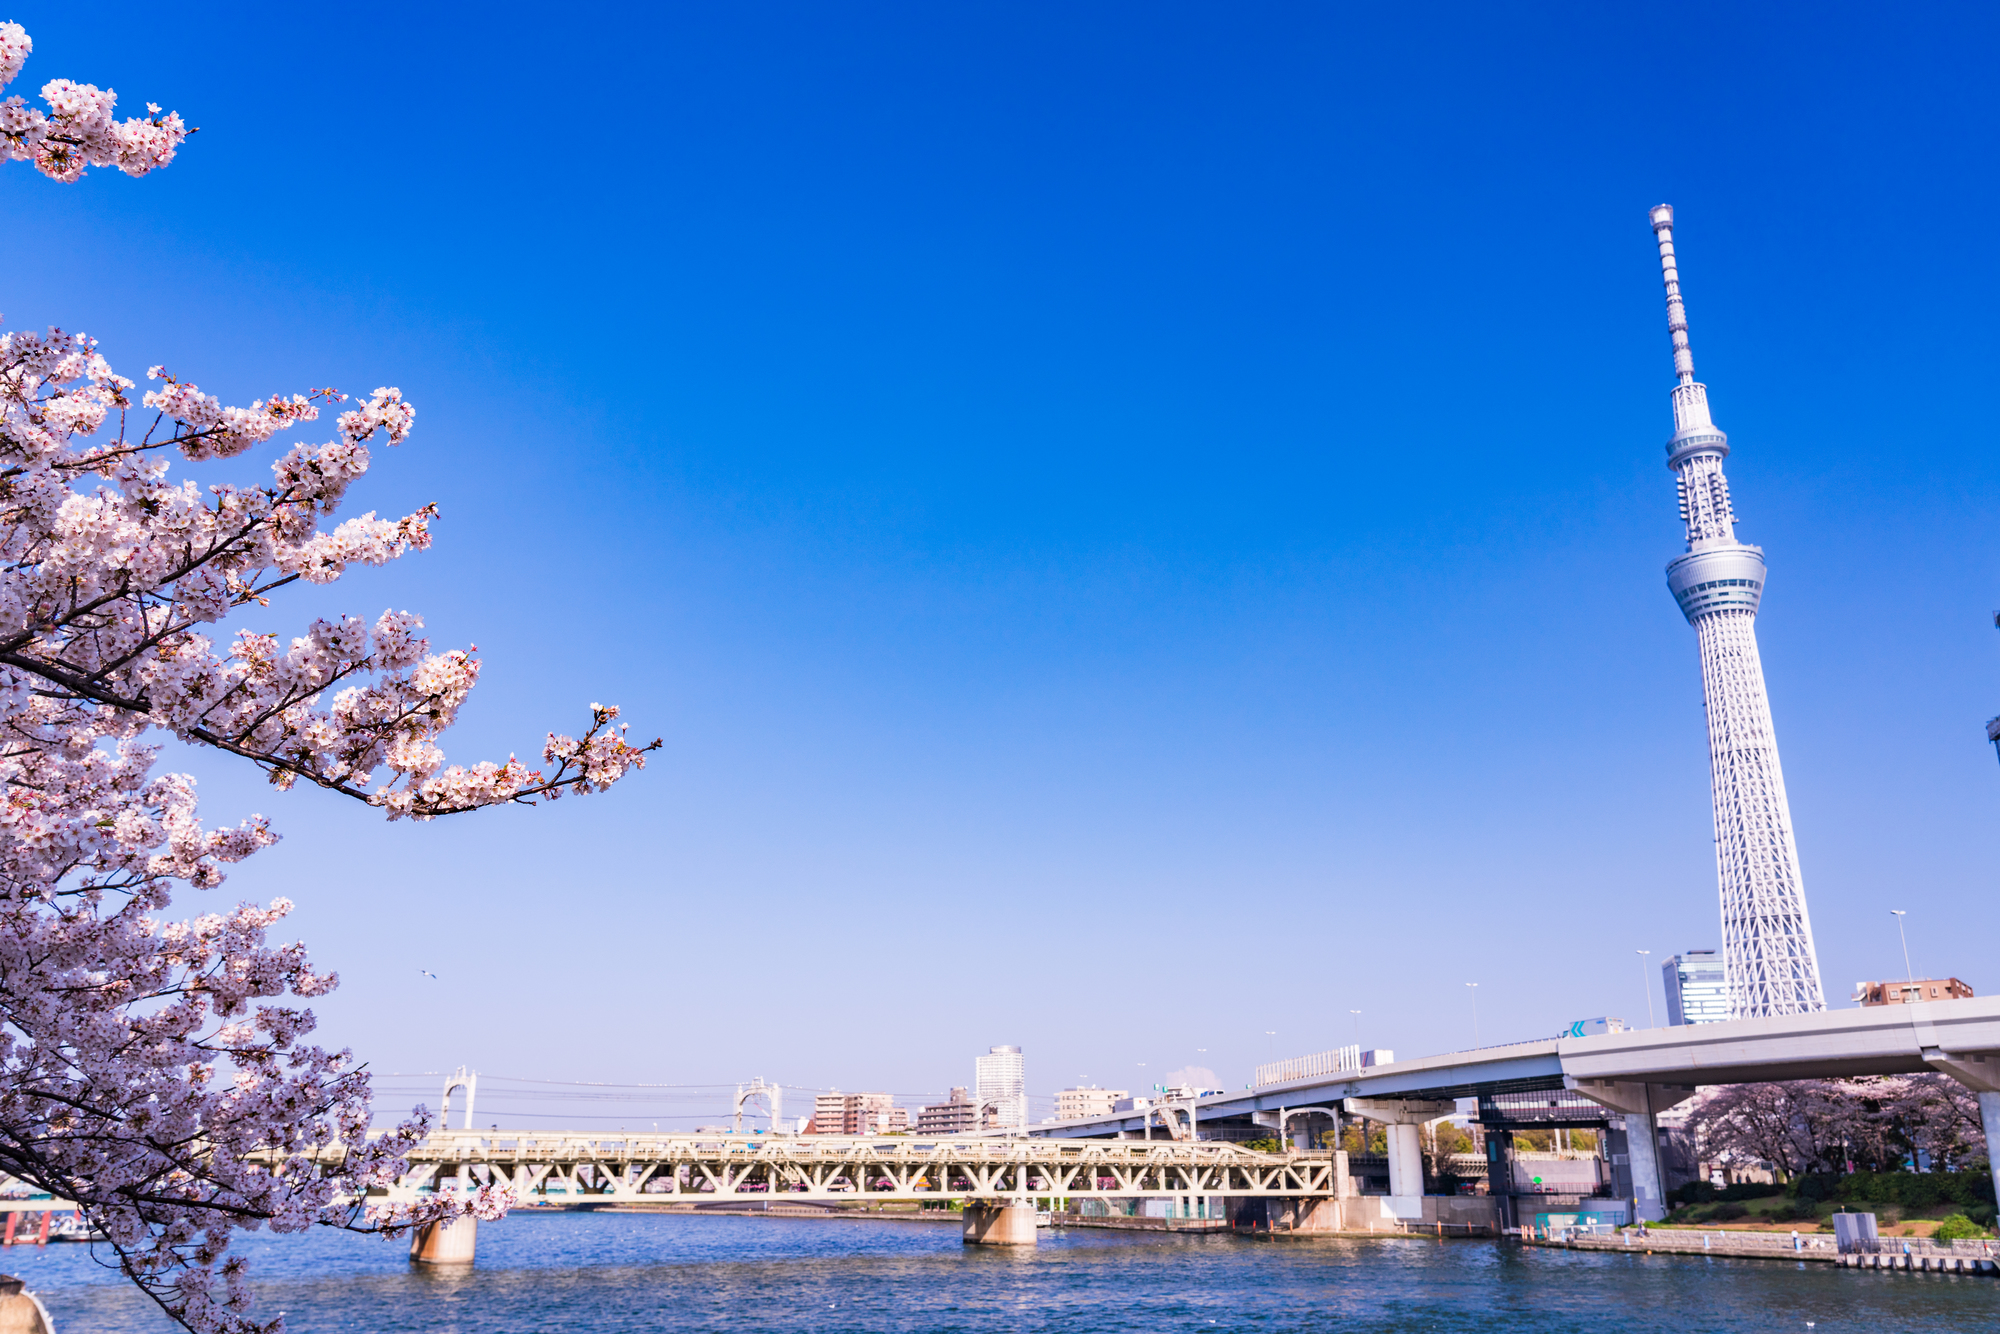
[(1000, 1077), (954, 1116), (1088, 1100), (1697, 988)]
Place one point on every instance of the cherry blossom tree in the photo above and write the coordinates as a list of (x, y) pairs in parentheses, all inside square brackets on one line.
[(157, 1071)]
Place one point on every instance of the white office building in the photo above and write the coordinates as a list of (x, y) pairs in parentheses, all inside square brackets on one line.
[(1697, 988), (1087, 1100), (1000, 1077)]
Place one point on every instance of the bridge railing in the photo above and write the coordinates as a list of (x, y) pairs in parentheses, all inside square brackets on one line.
[(1339, 1061)]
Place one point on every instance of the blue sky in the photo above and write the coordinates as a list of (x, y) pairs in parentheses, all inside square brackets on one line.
[(1141, 526)]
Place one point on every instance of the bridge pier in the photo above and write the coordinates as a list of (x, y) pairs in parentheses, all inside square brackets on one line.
[(450, 1243), (1404, 1120), (999, 1223), (1641, 1105)]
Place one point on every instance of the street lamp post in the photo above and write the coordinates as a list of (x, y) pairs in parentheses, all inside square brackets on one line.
[(1357, 1033), (1909, 974), (1475, 1012), (1646, 984)]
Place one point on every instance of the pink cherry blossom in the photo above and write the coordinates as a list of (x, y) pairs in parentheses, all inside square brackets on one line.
[(150, 1069), (157, 1071)]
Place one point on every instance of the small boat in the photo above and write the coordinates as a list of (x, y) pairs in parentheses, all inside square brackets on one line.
[(1044, 1218), (72, 1227)]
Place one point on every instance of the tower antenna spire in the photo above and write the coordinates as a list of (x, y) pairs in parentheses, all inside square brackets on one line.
[(1677, 320)]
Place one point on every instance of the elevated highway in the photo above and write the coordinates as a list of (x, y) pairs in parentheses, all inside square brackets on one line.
[(1635, 1075)]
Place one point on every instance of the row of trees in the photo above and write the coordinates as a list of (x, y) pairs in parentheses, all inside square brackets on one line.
[(1840, 1125)]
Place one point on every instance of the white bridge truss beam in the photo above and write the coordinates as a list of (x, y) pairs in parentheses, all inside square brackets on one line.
[(711, 1169)]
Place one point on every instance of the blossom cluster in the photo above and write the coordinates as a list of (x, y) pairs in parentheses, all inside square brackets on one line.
[(113, 574), (79, 129)]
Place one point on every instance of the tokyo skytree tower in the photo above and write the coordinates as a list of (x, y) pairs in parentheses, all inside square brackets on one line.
[(1767, 942)]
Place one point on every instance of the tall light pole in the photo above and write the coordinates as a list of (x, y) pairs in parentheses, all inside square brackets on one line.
[(1271, 1047), (1909, 974), (1357, 1033), (1475, 1012), (1646, 984)]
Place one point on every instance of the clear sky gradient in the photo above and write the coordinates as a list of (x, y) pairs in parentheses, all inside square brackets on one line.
[(1141, 526)]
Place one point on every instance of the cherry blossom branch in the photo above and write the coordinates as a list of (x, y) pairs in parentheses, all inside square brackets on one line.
[(77, 131)]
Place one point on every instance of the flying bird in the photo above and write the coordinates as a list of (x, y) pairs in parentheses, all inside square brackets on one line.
[(428, 973)]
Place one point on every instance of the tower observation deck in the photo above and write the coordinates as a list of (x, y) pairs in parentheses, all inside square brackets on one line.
[(1767, 941)]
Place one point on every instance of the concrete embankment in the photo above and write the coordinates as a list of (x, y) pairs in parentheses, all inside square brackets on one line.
[(858, 1213), (1127, 1223), (1709, 1243), (1921, 1257)]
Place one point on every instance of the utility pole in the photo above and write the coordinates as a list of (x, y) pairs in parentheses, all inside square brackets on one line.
[(1646, 985)]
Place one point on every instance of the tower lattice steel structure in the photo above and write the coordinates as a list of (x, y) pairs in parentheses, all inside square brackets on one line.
[(1767, 941)]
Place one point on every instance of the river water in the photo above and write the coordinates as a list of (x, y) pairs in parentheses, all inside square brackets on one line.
[(625, 1273)]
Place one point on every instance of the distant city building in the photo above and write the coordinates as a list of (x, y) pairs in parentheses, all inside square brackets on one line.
[(1697, 988), (954, 1116), (1909, 993), (1000, 1077), (838, 1113), (1087, 1100)]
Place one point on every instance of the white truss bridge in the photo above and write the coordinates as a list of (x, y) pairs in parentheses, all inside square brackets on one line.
[(583, 1168)]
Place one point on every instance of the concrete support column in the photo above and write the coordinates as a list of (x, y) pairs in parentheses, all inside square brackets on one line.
[(1406, 1160), (1500, 1175), (998, 1223), (450, 1243), (1404, 1120), (1642, 1144), (1640, 1105)]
